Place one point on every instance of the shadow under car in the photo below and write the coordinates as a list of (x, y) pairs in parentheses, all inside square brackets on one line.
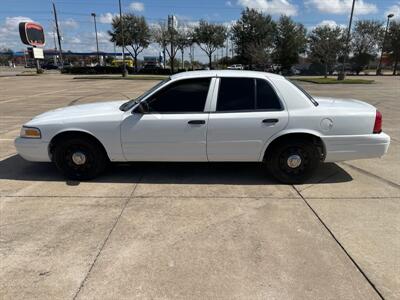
[(16, 168)]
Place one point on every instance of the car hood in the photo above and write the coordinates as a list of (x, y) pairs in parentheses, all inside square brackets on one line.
[(81, 111), (344, 104)]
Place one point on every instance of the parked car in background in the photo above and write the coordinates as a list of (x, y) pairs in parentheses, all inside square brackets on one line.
[(209, 116), (49, 66), (236, 67)]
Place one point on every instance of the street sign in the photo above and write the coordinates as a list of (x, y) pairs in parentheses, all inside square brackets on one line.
[(38, 53), (32, 34)]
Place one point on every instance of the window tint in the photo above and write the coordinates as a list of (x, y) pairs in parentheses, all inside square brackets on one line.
[(236, 94), (182, 96), (266, 96)]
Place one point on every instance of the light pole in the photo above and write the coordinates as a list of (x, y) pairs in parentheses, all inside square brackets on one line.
[(342, 74), (97, 39), (58, 35), (124, 72), (379, 69)]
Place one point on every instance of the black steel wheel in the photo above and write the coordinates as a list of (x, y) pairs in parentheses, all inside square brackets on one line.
[(293, 161), (79, 159)]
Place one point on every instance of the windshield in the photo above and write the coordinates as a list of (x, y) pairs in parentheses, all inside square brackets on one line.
[(304, 92), (131, 103)]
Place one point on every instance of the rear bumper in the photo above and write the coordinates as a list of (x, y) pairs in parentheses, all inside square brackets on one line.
[(32, 149), (349, 147)]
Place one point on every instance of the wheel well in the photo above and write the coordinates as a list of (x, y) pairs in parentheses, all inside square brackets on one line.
[(315, 140), (73, 134)]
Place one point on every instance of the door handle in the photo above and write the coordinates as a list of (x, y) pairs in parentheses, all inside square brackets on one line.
[(270, 121), (196, 122)]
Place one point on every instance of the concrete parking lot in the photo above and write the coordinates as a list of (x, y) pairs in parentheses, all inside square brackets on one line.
[(194, 231)]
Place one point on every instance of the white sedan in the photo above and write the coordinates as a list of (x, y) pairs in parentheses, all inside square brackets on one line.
[(208, 116), (235, 67)]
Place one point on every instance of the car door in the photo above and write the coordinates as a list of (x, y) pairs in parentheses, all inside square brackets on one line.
[(246, 112), (174, 126)]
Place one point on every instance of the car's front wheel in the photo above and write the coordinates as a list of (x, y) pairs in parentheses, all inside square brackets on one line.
[(79, 159), (293, 161)]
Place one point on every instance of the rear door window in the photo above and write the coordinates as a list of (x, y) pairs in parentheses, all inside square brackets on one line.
[(266, 98), (236, 94), (246, 94)]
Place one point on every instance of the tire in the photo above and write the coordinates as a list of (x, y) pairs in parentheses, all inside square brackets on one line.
[(79, 158), (293, 161)]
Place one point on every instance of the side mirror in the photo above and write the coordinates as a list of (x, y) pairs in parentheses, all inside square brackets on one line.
[(142, 108)]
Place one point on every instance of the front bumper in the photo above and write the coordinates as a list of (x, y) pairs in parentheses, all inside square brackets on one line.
[(349, 147), (32, 149)]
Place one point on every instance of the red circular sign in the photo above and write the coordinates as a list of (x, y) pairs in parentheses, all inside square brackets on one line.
[(32, 34)]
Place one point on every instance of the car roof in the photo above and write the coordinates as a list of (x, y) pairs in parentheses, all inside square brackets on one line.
[(224, 73)]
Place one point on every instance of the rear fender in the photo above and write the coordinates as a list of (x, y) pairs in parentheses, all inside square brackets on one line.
[(286, 132)]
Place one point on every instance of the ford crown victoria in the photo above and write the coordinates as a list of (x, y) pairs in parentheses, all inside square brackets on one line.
[(209, 116)]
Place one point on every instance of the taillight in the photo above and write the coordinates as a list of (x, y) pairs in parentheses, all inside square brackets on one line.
[(378, 122)]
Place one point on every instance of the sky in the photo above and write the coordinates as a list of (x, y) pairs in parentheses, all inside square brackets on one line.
[(77, 27)]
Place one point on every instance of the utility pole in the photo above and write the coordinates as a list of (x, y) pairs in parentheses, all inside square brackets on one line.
[(124, 72), (379, 69), (55, 47), (342, 74), (97, 39), (58, 35)]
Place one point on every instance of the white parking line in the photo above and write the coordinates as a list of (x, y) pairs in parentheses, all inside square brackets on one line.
[(32, 96)]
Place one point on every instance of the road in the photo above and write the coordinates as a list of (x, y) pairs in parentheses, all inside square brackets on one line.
[(194, 231)]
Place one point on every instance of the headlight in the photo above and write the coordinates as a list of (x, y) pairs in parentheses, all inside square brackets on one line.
[(30, 133)]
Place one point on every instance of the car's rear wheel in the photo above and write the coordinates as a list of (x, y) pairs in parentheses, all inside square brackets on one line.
[(293, 161), (79, 159)]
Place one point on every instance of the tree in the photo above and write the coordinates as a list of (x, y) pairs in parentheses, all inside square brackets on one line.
[(366, 38), (136, 34), (160, 36), (325, 45), (209, 37), (168, 38), (393, 44), (6, 55), (184, 40), (290, 41), (253, 35)]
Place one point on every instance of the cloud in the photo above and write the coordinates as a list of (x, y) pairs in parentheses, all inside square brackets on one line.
[(10, 26), (137, 6), (106, 18), (229, 24), (330, 23), (69, 23), (394, 9), (343, 6), (228, 3), (103, 37), (74, 40), (273, 7), (9, 32)]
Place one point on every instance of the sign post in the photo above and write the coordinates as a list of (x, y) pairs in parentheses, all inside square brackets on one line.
[(32, 34)]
